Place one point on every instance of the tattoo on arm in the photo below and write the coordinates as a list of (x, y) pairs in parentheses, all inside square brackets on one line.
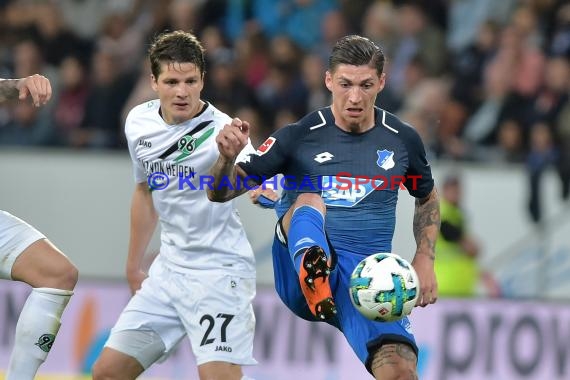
[(426, 223), (8, 89), (222, 191), (399, 355)]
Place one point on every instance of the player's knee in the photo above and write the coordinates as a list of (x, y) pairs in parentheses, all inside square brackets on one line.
[(107, 367), (311, 199), (65, 277), (218, 370), (70, 277), (395, 361), (102, 371), (60, 273), (396, 371)]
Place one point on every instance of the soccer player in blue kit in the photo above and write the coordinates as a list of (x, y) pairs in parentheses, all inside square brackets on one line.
[(330, 216)]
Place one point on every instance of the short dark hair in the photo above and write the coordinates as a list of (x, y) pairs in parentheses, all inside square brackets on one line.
[(357, 50), (177, 46)]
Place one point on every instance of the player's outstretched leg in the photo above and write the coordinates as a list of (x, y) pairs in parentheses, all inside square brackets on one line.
[(53, 278), (309, 250)]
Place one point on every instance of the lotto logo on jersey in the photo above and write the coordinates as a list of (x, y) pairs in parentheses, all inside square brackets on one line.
[(264, 148), (346, 191)]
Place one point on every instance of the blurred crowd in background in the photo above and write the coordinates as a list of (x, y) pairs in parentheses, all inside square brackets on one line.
[(481, 80)]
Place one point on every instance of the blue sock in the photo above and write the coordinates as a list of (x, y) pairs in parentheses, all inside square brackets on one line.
[(307, 229)]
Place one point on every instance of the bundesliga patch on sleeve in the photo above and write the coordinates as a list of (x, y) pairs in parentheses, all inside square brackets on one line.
[(264, 148)]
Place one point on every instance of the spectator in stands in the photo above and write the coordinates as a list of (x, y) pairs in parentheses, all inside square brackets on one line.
[(108, 93), (70, 106), (560, 42), (542, 155), (456, 267), (312, 71), (141, 92), (499, 53), (469, 66), (417, 37), (379, 24), (28, 126), (225, 88), (563, 142), (56, 40)]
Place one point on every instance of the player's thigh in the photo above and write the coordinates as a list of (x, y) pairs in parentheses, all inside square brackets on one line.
[(42, 264), (149, 327), (217, 312), (113, 364), (26, 255)]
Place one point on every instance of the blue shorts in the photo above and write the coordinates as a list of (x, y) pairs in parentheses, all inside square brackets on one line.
[(363, 335)]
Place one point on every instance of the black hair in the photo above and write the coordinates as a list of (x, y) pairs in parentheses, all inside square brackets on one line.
[(357, 51), (179, 47)]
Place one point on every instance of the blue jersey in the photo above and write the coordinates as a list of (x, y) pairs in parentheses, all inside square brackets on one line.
[(358, 175)]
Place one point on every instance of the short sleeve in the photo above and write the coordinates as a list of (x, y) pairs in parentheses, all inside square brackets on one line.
[(419, 169), (138, 169), (270, 157)]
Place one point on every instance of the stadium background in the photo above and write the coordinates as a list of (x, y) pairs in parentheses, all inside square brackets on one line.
[(65, 169)]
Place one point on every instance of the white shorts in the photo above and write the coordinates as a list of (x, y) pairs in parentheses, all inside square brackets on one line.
[(15, 236), (213, 309)]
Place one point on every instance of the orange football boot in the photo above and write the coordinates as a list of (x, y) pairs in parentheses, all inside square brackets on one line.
[(314, 278)]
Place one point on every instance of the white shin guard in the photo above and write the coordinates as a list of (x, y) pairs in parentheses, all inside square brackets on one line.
[(37, 327)]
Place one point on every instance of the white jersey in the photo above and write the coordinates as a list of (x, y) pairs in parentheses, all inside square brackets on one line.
[(175, 161)]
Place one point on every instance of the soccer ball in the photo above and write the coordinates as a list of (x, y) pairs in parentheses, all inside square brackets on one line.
[(384, 287)]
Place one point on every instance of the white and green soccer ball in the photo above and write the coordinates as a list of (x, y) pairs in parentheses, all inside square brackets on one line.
[(384, 287)]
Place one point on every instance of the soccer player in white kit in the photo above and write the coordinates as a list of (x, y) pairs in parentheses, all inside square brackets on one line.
[(202, 282), (26, 255)]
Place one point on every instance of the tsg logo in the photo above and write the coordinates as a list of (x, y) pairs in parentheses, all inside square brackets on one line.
[(145, 143)]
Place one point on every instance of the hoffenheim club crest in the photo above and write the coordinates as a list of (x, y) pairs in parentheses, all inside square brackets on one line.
[(385, 159)]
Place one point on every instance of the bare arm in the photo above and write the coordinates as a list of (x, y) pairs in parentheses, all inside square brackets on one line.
[(143, 224), (426, 229), (228, 177), (37, 86), (226, 171), (426, 224), (8, 89)]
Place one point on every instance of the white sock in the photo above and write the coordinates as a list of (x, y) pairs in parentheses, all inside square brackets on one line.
[(37, 327)]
